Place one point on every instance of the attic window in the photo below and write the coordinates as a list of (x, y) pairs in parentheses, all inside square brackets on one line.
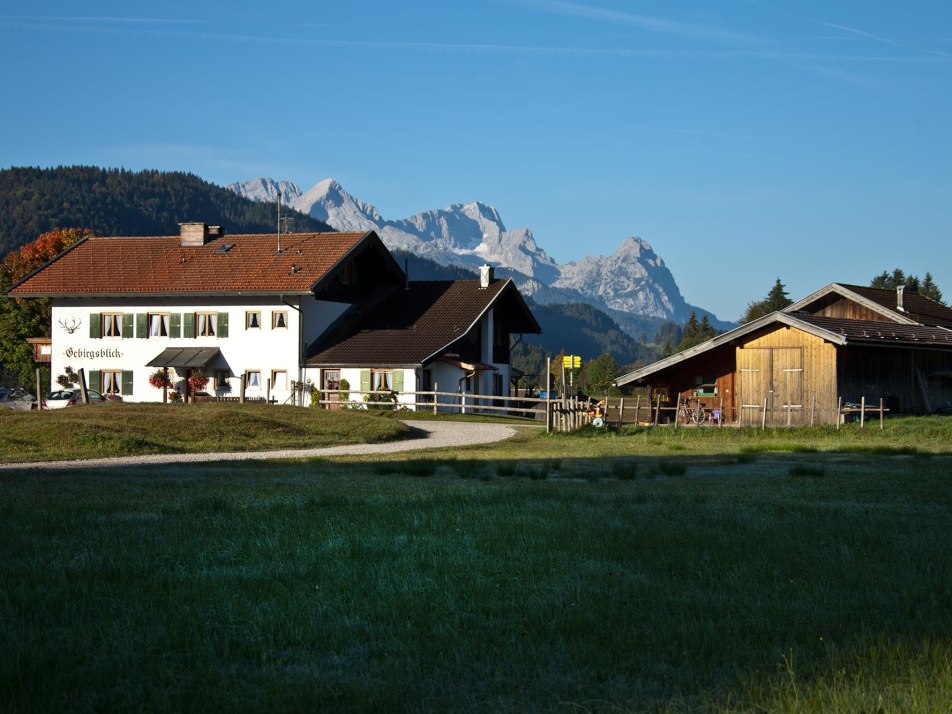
[(224, 248)]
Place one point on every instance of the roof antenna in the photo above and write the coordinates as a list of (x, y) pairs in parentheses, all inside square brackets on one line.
[(279, 221)]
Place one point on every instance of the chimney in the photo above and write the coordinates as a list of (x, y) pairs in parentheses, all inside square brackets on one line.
[(486, 275), (197, 234), (900, 289)]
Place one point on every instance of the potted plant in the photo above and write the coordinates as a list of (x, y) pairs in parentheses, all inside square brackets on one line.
[(197, 381), (160, 379)]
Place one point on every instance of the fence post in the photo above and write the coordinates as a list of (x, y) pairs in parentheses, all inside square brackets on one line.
[(763, 417), (862, 412), (657, 411), (677, 411), (813, 411), (39, 395), (548, 394), (789, 410), (839, 411), (720, 412), (881, 415), (637, 411)]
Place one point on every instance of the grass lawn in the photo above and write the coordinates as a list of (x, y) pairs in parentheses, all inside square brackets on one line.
[(130, 429), (664, 571)]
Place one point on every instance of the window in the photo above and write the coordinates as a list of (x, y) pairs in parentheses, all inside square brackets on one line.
[(111, 324), (331, 378), (279, 379), (253, 379), (279, 319), (158, 324), (111, 382), (221, 379), (381, 380), (205, 323), (253, 320)]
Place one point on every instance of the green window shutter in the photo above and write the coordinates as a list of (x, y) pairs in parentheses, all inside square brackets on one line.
[(223, 324), (127, 381), (95, 324), (188, 324), (142, 325), (398, 380), (95, 380), (127, 318), (175, 324), (365, 380)]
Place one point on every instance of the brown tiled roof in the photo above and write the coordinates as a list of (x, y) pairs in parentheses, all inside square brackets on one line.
[(160, 265), (419, 323), (880, 332), (918, 307)]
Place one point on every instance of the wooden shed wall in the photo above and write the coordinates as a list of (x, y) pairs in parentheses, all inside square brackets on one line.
[(716, 367), (909, 381), (788, 368)]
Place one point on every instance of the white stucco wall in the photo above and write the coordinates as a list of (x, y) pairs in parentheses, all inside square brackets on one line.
[(265, 349)]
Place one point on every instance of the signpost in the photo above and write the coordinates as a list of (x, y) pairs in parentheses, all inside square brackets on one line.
[(570, 362)]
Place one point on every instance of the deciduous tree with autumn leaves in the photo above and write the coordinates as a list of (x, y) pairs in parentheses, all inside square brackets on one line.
[(20, 319)]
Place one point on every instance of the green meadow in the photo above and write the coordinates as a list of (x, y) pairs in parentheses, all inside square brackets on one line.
[(635, 570)]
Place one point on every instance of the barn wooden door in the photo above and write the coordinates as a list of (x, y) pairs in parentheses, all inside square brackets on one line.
[(774, 375), (753, 383), (787, 385)]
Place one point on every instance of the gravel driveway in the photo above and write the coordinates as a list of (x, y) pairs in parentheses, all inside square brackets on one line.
[(434, 434)]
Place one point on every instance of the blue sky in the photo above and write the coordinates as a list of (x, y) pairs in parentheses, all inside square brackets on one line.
[(745, 140)]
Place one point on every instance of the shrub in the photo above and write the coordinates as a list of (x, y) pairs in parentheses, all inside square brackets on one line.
[(68, 379)]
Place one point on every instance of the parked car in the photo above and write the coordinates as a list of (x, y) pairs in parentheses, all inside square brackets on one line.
[(63, 398), (17, 399)]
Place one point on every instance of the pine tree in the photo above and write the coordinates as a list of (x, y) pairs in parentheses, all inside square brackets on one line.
[(891, 281), (929, 289), (777, 299)]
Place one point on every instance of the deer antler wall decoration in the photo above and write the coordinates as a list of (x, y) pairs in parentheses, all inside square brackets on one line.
[(70, 325)]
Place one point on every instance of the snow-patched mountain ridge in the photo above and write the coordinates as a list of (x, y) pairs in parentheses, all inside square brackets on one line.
[(633, 280)]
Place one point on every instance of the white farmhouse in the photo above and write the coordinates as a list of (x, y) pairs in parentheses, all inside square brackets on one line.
[(264, 315)]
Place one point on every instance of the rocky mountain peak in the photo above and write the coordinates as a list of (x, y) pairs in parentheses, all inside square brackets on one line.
[(632, 280)]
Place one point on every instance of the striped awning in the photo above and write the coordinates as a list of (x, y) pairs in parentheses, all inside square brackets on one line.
[(185, 357)]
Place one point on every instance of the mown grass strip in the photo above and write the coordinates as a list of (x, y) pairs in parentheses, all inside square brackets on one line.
[(131, 429)]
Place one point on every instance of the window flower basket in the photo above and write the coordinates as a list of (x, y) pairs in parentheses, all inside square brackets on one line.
[(160, 380), (198, 381)]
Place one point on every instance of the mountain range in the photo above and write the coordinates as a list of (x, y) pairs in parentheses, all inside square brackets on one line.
[(632, 285)]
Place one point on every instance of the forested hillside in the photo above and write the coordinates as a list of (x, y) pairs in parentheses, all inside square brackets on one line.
[(120, 202)]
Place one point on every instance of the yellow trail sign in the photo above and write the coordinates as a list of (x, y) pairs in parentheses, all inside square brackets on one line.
[(571, 362)]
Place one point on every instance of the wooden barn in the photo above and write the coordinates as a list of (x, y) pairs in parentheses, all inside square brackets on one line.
[(841, 344)]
